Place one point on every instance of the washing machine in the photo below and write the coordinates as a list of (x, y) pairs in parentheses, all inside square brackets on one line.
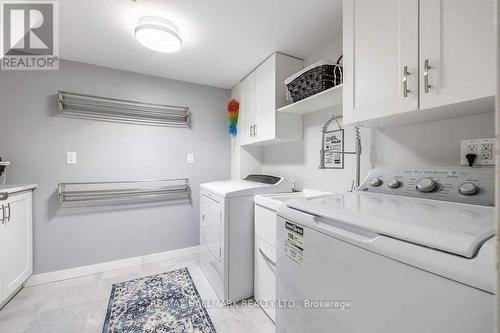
[(409, 251), (227, 229)]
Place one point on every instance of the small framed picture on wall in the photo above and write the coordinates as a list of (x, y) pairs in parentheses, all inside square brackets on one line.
[(333, 146)]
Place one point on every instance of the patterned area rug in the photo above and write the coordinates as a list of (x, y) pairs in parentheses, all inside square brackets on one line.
[(167, 302)]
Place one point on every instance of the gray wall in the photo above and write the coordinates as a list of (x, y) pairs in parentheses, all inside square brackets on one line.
[(35, 139)]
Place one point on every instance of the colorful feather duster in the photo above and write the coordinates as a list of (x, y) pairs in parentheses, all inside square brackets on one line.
[(233, 109)]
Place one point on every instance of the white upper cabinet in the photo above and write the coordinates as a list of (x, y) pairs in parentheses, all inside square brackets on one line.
[(247, 109), (262, 93), (457, 51), (384, 51), (265, 101), (408, 61)]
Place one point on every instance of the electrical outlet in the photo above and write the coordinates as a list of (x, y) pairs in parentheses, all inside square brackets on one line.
[(486, 147), (471, 149), (485, 156), (483, 148)]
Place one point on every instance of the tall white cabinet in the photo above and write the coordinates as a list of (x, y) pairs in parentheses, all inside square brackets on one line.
[(246, 119), (16, 243), (408, 61), (263, 92), (260, 94)]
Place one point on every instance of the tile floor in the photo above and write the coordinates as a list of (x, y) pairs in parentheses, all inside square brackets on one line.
[(79, 305)]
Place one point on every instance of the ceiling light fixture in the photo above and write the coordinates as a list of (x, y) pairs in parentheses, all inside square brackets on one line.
[(158, 34)]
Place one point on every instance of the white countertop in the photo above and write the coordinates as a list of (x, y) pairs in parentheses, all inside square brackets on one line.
[(17, 188)]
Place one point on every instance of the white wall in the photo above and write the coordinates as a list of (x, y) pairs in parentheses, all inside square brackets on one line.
[(35, 139), (421, 145), (331, 51)]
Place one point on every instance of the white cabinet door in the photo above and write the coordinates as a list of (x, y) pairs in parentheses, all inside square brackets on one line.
[(265, 100), (211, 226), (265, 276), (381, 54), (265, 224), (16, 243), (247, 109), (457, 41)]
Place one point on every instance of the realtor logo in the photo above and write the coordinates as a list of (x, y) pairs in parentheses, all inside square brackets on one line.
[(29, 35)]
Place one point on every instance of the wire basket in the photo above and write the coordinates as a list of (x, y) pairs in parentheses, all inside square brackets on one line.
[(314, 79)]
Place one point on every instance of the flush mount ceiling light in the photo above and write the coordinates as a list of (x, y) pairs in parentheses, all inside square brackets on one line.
[(158, 34)]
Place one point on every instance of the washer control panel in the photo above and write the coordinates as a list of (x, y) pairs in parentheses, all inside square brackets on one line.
[(465, 185)]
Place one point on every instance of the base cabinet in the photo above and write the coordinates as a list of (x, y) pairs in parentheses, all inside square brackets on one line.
[(265, 277), (265, 260), (16, 245)]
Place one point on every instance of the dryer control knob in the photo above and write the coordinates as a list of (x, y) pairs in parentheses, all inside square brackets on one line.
[(468, 189), (426, 185), (394, 183), (375, 182)]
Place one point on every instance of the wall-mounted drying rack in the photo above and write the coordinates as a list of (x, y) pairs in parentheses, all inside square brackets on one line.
[(123, 192), (117, 110)]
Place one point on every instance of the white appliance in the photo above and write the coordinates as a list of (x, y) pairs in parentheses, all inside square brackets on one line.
[(227, 232), (409, 251), (264, 282)]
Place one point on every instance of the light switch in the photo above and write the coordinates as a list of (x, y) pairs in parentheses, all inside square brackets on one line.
[(190, 158), (71, 157)]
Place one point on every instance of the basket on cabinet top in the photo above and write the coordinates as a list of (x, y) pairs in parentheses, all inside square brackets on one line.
[(314, 79)]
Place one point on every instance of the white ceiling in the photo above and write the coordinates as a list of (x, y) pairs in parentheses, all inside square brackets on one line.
[(223, 40)]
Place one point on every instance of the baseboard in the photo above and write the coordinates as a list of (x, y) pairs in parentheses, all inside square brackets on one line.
[(108, 266)]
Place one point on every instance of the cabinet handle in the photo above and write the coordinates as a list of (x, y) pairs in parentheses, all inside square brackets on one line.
[(251, 133), (4, 195), (266, 258), (405, 81), (426, 75), (8, 216), (3, 214), (254, 130)]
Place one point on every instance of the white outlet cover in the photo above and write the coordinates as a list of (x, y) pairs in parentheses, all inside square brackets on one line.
[(190, 158), (71, 157), (474, 146)]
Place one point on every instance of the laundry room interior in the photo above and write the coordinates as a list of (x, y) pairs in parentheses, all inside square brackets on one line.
[(249, 166)]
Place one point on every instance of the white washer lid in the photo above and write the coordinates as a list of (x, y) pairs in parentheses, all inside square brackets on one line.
[(225, 187), (447, 226)]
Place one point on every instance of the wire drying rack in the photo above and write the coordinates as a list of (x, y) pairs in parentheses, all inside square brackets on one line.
[(91, 193), (122, 111)]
